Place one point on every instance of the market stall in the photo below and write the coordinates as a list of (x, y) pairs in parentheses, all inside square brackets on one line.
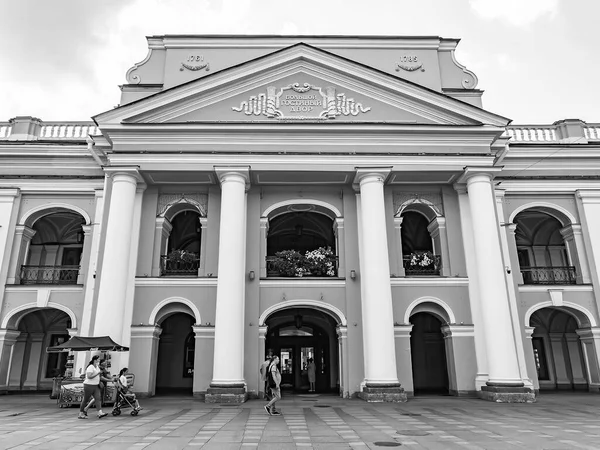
[(68, 389)]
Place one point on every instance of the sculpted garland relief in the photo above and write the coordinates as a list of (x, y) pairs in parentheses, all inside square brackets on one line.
[(300, 102)]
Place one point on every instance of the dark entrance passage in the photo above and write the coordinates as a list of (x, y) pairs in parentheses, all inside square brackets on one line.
[(298, 335), (428, 352), (174, 372)]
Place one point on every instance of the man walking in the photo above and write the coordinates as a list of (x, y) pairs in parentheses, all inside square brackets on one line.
[(264, 367), (274, 380)]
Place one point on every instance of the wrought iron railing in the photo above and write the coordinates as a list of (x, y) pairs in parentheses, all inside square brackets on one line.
[(49, 274), (549, 275), (178, 267), (273, 271), (414, 266)]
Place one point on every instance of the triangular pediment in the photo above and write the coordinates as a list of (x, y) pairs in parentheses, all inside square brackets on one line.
[(300, 84)]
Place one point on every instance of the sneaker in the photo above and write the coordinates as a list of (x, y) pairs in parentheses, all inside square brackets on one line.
[(275, 413), (100, 416), (85, 412), (82, 416), (268, 410), (139, 408)]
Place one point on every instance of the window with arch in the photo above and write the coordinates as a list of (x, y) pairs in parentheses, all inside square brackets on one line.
[(55, 250), (183, 244), (541, 249), (301, 243), (418, 255)]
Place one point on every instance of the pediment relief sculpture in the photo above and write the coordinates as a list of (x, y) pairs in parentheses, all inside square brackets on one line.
[(301, 102)]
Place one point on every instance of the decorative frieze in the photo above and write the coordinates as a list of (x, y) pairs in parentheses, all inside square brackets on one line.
[(165, 201), (300, 102), (431, 199)]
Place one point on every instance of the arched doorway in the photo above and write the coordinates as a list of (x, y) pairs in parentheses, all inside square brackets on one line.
[(176, 353), (557, 351), (298, 334), (428, 353), (32, 369)]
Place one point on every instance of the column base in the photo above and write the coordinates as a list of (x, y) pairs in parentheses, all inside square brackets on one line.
[(380, 393), (507, 394), (230, 394)]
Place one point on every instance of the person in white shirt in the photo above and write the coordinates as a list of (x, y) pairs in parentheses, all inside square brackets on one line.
[(91, 388)]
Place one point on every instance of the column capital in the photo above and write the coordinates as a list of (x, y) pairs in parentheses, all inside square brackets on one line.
[(262, 332), (478, 174), (455, 330), (370, 174), (403, 331), (588, 196), (7, 195), (72, 331), (8, 335), (529, 332), (125, 173), (589, 333), (233, 173), (341, 331), (203, 332), (145, 331), (24, 230), (571, 230)]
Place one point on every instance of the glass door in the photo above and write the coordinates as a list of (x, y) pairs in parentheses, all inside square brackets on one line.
[(287, 367)]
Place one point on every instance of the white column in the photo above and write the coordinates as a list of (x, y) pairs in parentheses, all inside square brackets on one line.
[(23, 236), (8, 338), (507, 233), (588, 204), (400, 256), (228, 368), (264, 230), (573, 236), (115, 272), (467, 233), (376, 304), (340, 248), (162, 231), (33, 367), (437, 231), (560, 360), (9, 202), (144, 357), (16, 368), (590, 343), (574, 349), (203, 238), (203, 353), (342, 334), (500, 341)]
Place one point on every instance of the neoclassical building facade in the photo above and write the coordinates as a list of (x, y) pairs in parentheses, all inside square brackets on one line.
[(345, 199)]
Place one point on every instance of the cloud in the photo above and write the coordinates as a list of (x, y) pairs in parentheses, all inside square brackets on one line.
[(519, 13)]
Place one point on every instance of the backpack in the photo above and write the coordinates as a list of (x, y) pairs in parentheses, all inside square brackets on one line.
[(270, 379), (263, 370)]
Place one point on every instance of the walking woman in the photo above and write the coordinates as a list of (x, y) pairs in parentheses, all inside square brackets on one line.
[(274, 377), (91, 388)]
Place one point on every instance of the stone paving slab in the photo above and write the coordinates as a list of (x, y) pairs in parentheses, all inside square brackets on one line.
[(556, 422)]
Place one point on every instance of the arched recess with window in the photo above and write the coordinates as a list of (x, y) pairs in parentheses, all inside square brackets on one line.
[(420, 229), (565, 351), (180, 235), (52, 244), (547, 247), (297, 227)]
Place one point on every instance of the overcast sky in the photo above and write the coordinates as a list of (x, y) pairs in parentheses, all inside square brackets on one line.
[(537, 60)]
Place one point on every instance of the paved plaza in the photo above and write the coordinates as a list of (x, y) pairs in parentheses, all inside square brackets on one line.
[(557, 421)]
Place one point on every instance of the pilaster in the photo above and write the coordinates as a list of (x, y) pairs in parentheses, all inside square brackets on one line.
[(8, 338)]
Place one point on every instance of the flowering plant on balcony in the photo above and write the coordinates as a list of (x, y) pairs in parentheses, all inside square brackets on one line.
[(181, 256), (421, 259), (317, 263)]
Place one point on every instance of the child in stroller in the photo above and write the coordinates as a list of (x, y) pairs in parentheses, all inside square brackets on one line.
[(125, 397)]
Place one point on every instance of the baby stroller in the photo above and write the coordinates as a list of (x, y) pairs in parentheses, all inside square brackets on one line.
[(124, 399)]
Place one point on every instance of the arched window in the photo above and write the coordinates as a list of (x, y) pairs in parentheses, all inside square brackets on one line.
[(417, 245), (183, 245), (541, 249), (55, 250)]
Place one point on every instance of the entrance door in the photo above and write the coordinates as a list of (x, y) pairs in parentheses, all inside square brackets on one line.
[(297, 336), (428, 352)]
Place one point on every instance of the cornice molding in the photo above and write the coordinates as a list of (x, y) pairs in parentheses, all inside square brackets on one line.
[(176, 282), (430, 281)]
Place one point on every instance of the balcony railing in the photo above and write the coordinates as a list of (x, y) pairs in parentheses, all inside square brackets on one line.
[(549, 275), (178, 268), (300, 271), (413, 267), (49, 274)]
